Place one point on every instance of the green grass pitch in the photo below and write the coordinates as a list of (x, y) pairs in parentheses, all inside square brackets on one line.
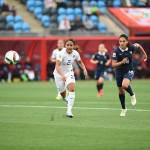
[(31, 118)]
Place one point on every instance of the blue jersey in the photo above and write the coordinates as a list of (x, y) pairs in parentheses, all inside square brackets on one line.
[(102, 58), (120, 54)]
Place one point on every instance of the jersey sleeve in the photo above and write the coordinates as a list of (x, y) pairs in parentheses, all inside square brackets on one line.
[(115, 55), (93, 56), (134, 47), (53, 55), (107, 56), (78, 56), (59, 56)]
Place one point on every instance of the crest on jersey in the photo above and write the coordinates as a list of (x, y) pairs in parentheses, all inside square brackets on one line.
[(74, 56), (130, 52), (114, 54)]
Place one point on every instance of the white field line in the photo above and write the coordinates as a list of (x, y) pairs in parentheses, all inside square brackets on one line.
[(100, 102), (88, 108)]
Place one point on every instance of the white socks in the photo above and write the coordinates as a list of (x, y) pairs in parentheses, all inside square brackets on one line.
[(70, 98)]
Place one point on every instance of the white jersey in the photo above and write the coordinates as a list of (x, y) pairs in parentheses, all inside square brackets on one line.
[(55, 53), (66, 61)]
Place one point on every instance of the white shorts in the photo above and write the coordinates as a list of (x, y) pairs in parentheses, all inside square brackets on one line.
[(61, 86)]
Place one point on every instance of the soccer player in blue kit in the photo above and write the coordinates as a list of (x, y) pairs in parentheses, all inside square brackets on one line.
[(102, 60), (124, 71)]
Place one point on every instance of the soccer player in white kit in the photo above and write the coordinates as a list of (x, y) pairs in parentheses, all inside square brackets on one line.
[(60, 46), (64, 75)]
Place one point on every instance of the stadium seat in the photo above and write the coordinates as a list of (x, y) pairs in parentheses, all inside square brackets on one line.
[(8, 27), (18, 19), (30, 5), (46, 11), (2, 26), (18, 27), (93, 18), (103, 9), (69, 11), (39, 4), (10, 19), (53, 19), (116, 3), (2, 19), (102, 27), (53, 11), (53, 25), (45, 21), (84, 18), (72, 17), (92, 2), (70, 4), (78, 11), (77, 4), (26, 27), (60, 18), (83, 3), (101, 4), (61, 11), (38, 13)]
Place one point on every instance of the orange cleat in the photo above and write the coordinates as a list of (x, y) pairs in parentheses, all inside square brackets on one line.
[(100, 93)]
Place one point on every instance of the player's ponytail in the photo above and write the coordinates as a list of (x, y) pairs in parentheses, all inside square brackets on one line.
[(77, 48), (126, 37)]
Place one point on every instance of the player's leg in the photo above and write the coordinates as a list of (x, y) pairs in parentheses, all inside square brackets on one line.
[(58, 97), (100, 83), (61, 88), (126, 85), (70, 84), (119, 79)]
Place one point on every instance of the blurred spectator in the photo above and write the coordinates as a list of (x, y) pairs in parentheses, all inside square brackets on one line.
[(50, 68), (73, 25), (49, 4), (18, 72), (88, 24), (78, 23), (64, 24), (87, 10), (148, 3), (95, 10), (28, 70), (5, 72), (139, 70), (60, 3)]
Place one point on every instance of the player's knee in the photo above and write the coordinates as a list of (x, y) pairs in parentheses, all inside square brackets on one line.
[(125, 86), (71, 90)]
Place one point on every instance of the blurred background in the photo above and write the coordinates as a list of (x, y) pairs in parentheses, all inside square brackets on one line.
[(32, 28)]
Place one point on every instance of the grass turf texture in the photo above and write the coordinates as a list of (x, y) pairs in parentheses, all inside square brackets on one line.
[(31, 118)]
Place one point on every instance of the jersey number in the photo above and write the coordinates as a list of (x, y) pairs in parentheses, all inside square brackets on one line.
[(69, 62)]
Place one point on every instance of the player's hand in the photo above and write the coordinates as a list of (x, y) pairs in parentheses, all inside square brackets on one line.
[(145, 57), (96, 62), (107, 64), (85, 73), (124, 60), (63, 78)]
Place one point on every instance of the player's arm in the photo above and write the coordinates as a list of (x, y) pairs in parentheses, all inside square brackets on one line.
[(58, 63), (108, 62), (53, 60), (83, 67), (142, 50), (94, 61), (117, 64)]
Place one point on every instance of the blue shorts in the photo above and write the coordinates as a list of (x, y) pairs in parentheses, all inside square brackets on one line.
[(119, 77), (99, 74)]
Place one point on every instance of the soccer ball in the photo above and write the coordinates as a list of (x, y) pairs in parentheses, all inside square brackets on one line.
[(11, 57)]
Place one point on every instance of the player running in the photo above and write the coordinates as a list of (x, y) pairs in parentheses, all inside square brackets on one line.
[(122, 62), (60, 46), (102, 60), (64, 75)]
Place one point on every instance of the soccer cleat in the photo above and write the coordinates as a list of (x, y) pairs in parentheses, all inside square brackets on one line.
[(100, 93), (123, 112), (133, 100), (69, 114), (58, 98)]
